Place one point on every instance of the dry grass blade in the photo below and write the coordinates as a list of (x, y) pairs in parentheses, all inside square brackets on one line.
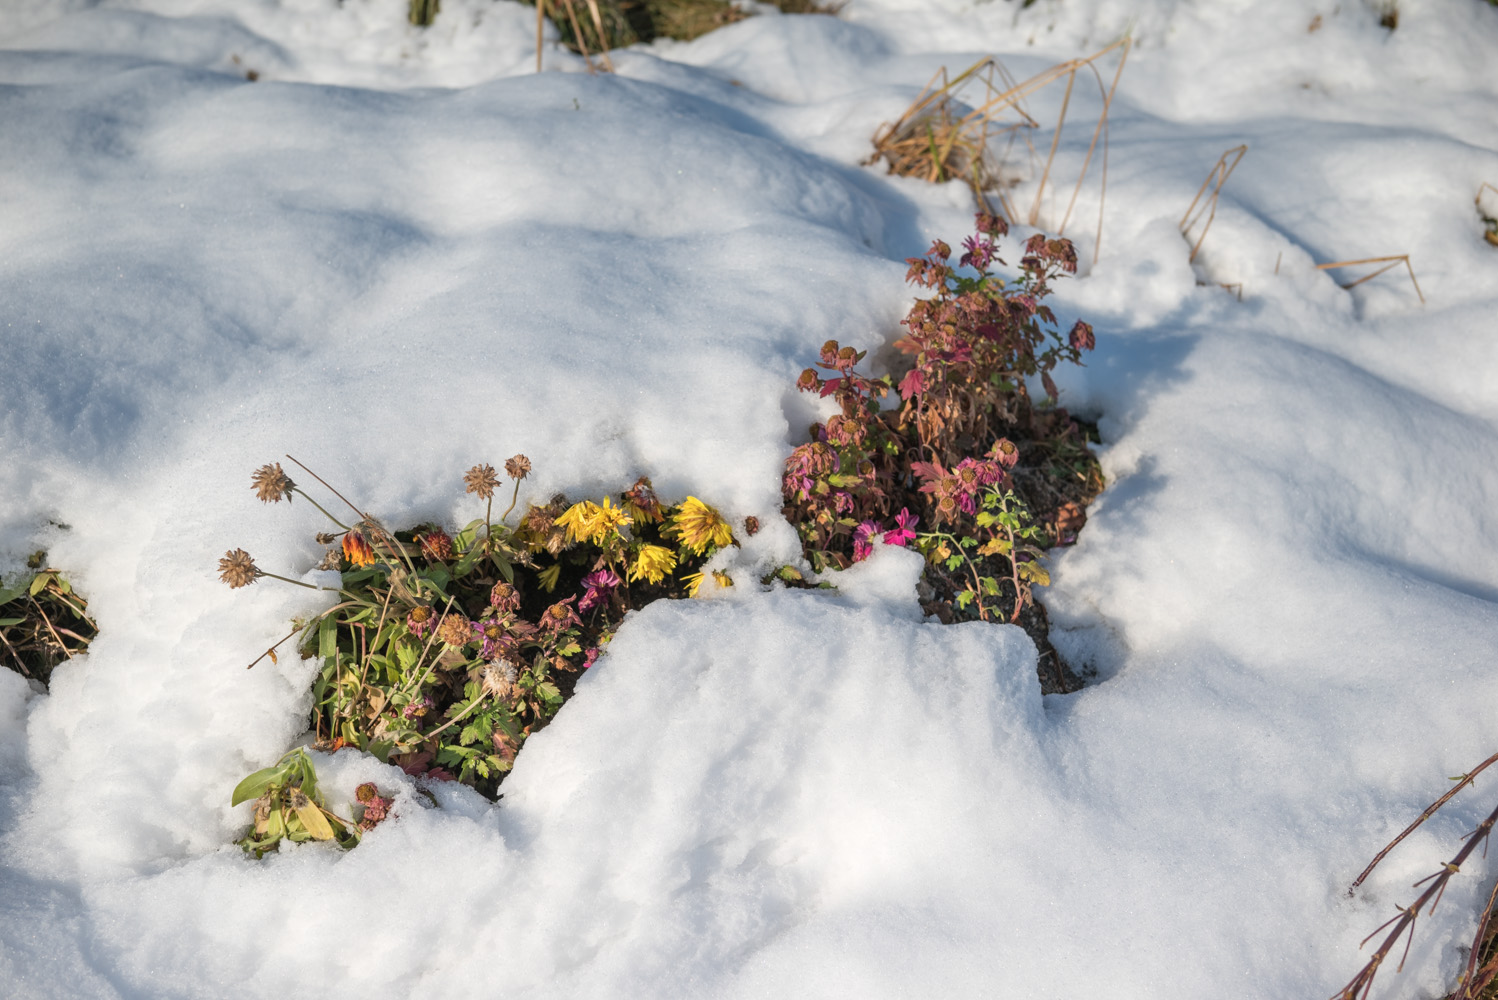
[(577, 33), (603, 54), (1388, 262), (1220, 172)]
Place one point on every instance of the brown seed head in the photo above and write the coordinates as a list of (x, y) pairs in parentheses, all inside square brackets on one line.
[(751, 525), (237, 569), (298, 799), (437, 545), (481, 480), (498, 679), (271, 484), (366, 791), (518, 467), (455, 630)]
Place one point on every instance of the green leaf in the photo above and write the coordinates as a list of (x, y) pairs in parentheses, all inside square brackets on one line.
[(990, 586), (548, 693), (953, 562), (327, 639), (505, 569), (38, 582), (965, 598), (255, 785), (7, 622), (466, 563), (407, 655), (472, 733)]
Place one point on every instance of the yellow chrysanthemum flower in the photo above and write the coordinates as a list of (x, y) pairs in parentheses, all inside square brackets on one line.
[(694, 582), (588, 521), (653, 563), (699, 526)]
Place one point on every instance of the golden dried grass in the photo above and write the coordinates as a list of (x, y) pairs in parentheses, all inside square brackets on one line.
[(941, 138), (1220, 172), (1389, 262)]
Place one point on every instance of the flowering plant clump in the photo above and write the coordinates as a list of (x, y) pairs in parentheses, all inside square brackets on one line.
[(288, 806), (43, 621), (446, 649), (954, 456)]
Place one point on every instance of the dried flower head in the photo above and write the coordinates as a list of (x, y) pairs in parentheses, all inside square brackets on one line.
[(504, 598), (237, 569), (560, 616), (271, 484), (298, 799), (751, 525), (481, 480), (642, 503), (356, 550), (421, 620), (455, 630), (498, 679), (437, 545), (325, 538), (518, 467)]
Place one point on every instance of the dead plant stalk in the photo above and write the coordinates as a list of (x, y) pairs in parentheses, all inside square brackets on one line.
[(1220, 171), (1388, 262)]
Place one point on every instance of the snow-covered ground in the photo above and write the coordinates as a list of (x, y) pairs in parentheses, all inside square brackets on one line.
[(401, 252)]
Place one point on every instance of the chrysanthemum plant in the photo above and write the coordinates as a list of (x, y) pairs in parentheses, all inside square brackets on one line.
[(445, 651), (956, 443)]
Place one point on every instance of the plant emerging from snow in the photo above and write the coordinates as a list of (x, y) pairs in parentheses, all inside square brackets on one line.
[(945, 455), (446, 650)]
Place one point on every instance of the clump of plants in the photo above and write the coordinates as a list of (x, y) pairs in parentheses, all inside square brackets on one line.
[(591, 26), (289, 806), (953, 456), (446, 650), (43, 621)]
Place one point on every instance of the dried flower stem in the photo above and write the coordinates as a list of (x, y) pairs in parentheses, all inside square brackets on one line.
[(431, 636), (330, 489), (56, 638), (271, 651)]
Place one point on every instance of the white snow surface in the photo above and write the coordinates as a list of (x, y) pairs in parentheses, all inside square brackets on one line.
[(402, 251)]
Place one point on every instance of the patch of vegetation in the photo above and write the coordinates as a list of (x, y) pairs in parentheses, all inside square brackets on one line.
[(288, 806), (954, 457), (43, 621), (444, 652), (590, 26)]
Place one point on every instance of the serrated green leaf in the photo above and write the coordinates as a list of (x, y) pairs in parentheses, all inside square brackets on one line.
[(406, 654), (965, 598)]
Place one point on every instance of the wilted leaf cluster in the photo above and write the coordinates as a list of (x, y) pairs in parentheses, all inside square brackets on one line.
[(43, 621)]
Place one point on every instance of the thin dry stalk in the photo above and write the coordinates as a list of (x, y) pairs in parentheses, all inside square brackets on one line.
[(1404, 923), (603, 52), (577, 33), (1388, 263), (1220, 171), (540, 30), (1475, 980)]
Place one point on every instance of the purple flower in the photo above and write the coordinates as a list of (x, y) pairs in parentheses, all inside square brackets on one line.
[(980, 251), (600, 584), (494, 636), (905, 533), (863, 545), (590, 657)]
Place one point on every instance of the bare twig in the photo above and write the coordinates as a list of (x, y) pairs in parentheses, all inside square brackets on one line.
[(1220, 171), (1404, 923), (1430, 810)]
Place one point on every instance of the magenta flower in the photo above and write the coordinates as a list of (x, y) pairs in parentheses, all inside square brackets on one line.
[(600, 585), (863, 545), (980, 251), (905, 533), (590, 657)]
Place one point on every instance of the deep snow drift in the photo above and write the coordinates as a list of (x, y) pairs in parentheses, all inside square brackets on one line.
[(401, 252)]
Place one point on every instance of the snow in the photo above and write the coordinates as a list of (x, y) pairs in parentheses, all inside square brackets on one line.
[(402, 252)]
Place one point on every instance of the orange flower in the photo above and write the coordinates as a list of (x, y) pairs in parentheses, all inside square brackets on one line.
[(356, 550)]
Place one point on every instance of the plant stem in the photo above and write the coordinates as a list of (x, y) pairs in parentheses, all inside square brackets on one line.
[(483, 697), (287, 579), (330, 489), (300, 492)]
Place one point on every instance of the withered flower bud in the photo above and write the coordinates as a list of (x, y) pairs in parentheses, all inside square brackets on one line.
[(808, 381), (504, 598), (366, 792), (326, 538), (455, 630), (237, 569), (481, 480), (498, 679), (271, 484), (751, 525), (298, 799), (518, 467), (437, 544)]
